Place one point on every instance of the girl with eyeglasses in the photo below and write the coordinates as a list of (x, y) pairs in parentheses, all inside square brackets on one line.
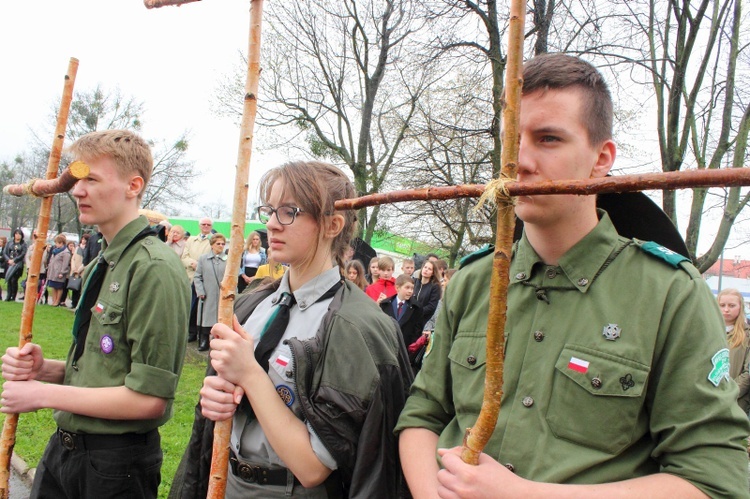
[(313, 374)]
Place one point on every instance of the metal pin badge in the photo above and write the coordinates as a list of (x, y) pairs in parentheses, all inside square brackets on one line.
[(611, 332), (107, 344), (114, 287)]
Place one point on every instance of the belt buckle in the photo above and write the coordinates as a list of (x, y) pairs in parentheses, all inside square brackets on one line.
[(248, 473), (67, 440)]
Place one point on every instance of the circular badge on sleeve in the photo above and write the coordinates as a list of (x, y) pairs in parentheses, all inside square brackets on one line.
[(286, 394), (107, 344)]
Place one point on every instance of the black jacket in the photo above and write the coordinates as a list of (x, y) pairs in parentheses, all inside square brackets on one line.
[(428, 296), (356, 426), (411, 321)]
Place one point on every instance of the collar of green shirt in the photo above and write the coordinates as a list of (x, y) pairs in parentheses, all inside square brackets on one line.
[(580, 264)]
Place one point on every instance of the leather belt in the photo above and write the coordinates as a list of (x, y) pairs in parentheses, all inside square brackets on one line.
[(88, 441), (257, 474)]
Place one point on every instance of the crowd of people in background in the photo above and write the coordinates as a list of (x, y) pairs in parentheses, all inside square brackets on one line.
[(60, 272), (413, 301)]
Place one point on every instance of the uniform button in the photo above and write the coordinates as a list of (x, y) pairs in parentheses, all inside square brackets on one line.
[(290, 373), (111, 265), (538, 336), (285, 342), (112, 316), (583, 281), (471, 360), (596, 383), (527, 401), (521, 276), (551, 272), (510, 467)]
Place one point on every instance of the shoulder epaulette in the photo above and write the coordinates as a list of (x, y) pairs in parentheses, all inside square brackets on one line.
[(472, 257), (665, 254)]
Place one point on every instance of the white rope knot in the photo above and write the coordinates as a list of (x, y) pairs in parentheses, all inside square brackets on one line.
[(28, 189), (496, 193)]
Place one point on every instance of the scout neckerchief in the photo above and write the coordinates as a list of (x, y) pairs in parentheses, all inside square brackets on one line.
[(274, 331), (90, 294)]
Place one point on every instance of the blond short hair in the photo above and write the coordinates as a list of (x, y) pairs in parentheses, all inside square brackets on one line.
[(128, 150)]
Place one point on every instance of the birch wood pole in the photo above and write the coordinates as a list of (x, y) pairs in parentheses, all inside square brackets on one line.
[(724, 177), (477, 437), (222, 430), (8, 439), (49, 187), (155, 4)]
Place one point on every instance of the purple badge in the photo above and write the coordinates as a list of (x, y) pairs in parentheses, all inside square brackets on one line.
[(107, 344)]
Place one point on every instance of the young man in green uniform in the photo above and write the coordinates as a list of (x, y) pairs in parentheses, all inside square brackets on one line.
[(616, 369), (118, 383)]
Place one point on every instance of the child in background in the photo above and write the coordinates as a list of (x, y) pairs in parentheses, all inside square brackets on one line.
[(407, 267), (385, 286), (406, 311), (372, 276), (355, 272)]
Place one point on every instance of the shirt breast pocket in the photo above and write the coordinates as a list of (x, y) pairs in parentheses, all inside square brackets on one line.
[(597, 399), (109, 319), (468, 356)]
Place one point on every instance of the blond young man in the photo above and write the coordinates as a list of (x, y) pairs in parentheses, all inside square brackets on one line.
[(117, 385)]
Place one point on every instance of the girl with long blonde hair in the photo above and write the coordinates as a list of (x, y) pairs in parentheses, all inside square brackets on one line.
[(732, 305)]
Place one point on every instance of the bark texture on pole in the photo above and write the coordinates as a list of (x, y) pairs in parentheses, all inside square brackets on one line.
[(724, 177), (477, 437), (222, 430), (155, 4), (8, 439), (49, 187)]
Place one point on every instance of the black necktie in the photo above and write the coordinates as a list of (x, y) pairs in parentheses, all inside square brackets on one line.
[(278, 323), (88, 300), (274, 331)]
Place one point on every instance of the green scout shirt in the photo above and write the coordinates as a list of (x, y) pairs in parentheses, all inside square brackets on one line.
[(143, 308), (578, 407)]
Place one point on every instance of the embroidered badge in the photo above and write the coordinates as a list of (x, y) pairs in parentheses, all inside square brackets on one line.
[(114, 287), (282, 361), (611, 332), (429, 346), (576, 364), (99, 308), (627, 382), (663, 253), (720, 360), (107, 344), (286, 394)]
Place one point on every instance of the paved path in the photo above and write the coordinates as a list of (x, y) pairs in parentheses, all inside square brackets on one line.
[(19, 489)]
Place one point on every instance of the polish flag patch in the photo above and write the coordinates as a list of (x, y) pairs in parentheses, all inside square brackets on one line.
[(99, 308), (282, 361), (579, 365)]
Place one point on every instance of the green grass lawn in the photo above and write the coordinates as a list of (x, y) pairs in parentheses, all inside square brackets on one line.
[(52, 330)]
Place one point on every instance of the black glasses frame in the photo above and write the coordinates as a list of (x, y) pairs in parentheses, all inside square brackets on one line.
[(265, 217)]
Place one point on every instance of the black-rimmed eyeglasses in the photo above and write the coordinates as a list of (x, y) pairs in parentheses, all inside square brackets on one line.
[(284, 214)]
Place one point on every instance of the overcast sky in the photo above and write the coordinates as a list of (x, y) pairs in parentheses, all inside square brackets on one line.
[(171, 59)]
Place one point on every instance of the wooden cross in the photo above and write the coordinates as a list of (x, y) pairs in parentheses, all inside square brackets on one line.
[(8, 439)]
